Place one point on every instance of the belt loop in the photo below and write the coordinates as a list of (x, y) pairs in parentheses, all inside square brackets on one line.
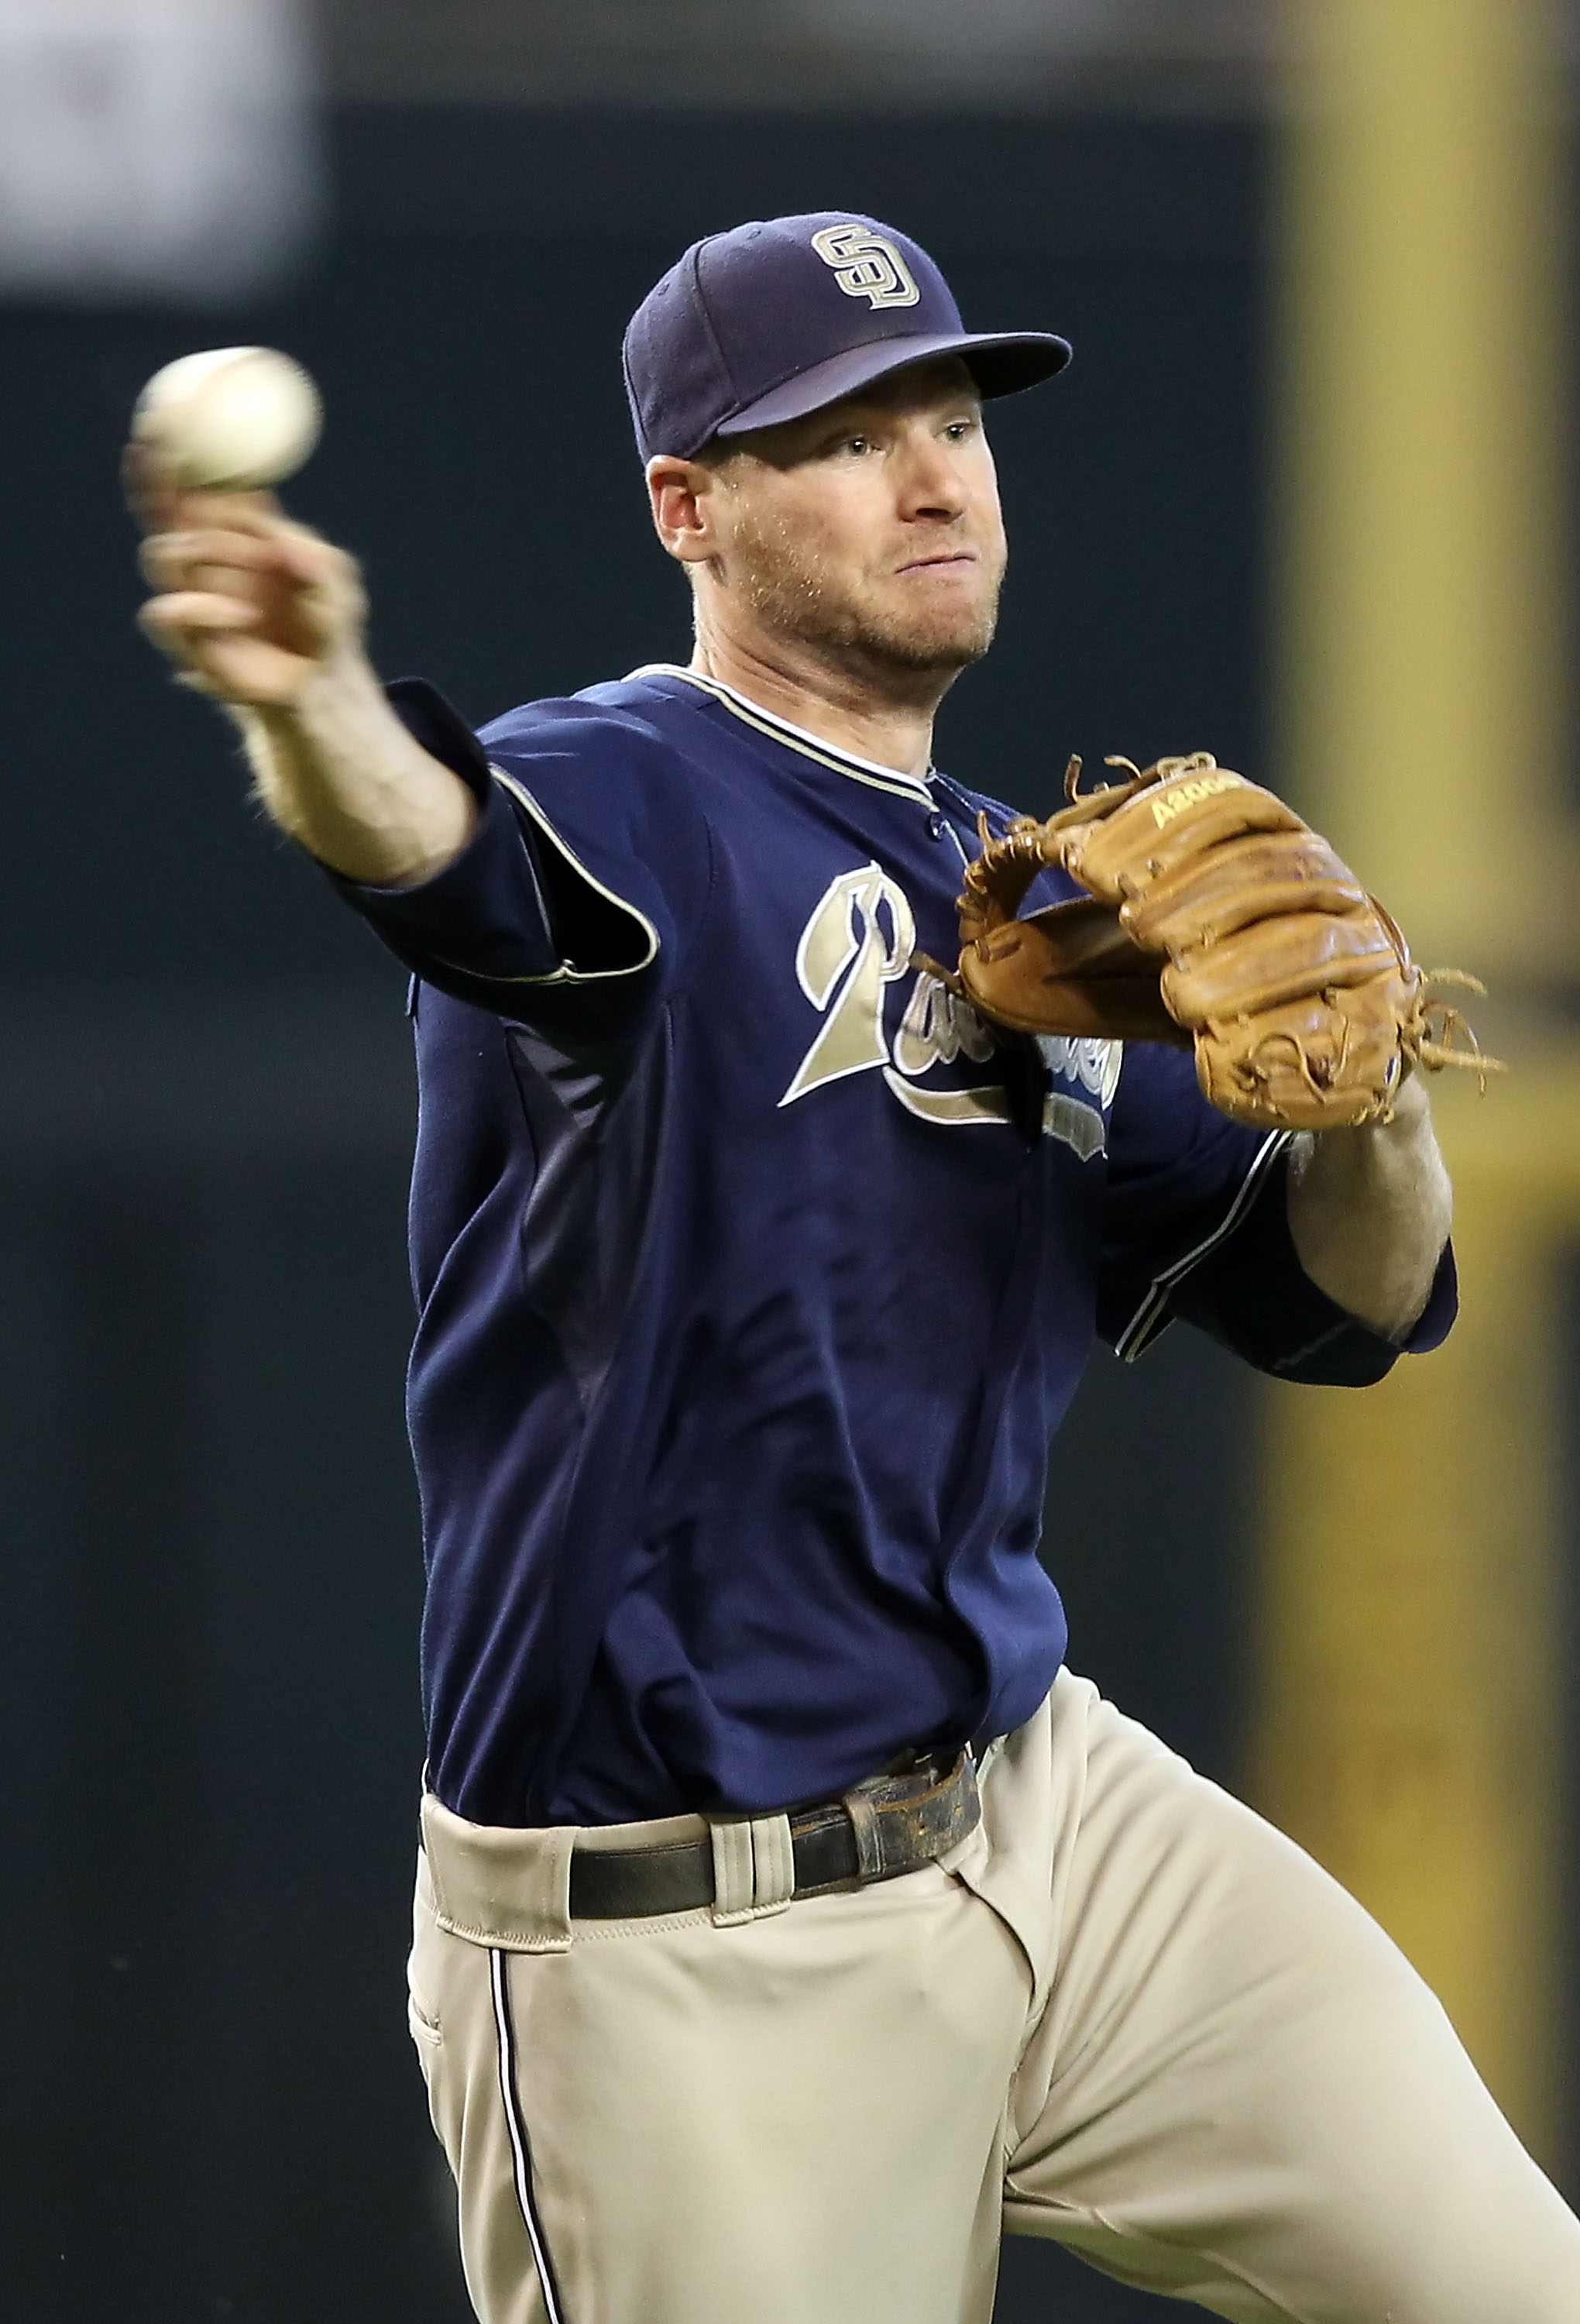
[(754, 1869), (772, 1863), (508, 1889), (732, 1880)]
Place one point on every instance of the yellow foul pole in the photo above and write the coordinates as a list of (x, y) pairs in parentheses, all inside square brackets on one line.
[(1421, 383), (1409, 1703), (1408, 1698)]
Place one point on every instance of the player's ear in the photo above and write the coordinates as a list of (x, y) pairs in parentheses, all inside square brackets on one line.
[(684, 496)]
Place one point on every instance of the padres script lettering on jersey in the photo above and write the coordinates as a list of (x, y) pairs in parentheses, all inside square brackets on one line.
[(858, 942), (690, 1110)]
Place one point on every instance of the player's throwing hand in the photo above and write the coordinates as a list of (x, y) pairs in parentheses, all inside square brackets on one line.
[(263, 614), (250, 606)]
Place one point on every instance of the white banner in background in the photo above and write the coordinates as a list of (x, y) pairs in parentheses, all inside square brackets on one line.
[(159, 148)]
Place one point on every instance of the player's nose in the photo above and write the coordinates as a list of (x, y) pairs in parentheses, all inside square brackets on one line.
[(930, 484)]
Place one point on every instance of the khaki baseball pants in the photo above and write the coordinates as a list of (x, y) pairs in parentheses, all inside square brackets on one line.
[(1125, 2013)]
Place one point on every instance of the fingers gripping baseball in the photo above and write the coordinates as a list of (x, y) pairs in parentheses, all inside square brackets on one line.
[(249, 606), (266, 616)]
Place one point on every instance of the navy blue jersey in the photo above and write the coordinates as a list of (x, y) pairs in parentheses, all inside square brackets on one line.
[(755, 1271)]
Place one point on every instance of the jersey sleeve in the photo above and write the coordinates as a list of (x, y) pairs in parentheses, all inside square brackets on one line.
[(1195, 1225), (585, 877)]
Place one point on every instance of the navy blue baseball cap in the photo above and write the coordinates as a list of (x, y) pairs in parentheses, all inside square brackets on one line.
[(775, 320)]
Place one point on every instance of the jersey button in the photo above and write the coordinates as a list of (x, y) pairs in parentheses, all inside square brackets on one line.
[(937, 825)]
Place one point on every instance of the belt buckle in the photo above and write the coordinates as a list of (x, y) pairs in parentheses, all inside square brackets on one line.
[(857, 1804), (877, 1856)]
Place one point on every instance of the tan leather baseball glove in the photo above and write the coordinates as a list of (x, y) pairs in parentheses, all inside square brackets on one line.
[(1216, 920)]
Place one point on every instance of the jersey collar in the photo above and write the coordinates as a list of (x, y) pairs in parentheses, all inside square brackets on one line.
[(795, 738)]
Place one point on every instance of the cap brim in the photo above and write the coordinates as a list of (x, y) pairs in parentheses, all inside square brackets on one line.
[(1001, 363)]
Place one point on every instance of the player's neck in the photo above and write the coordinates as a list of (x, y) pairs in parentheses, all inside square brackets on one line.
[(839, 705)]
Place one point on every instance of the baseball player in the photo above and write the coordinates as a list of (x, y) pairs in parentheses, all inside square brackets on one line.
[(789, 1921)]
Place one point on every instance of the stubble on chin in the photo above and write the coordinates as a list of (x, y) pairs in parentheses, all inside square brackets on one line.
[(795, 594)]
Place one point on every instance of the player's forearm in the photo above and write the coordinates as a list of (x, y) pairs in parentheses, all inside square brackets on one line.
[(336, 770), (1370, 1211)]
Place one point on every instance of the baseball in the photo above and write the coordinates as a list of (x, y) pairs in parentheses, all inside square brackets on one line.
[(231, 420)]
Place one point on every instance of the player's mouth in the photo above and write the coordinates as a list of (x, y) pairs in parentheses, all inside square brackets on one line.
[(947, 561)]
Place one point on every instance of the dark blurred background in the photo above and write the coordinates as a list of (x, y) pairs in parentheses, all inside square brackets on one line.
[(210, 1576)]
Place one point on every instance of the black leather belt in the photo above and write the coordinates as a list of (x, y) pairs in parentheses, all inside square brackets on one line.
[(888, 1825)]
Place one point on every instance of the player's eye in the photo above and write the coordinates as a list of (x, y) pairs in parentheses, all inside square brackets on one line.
[(959, 429), (856, 445)]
